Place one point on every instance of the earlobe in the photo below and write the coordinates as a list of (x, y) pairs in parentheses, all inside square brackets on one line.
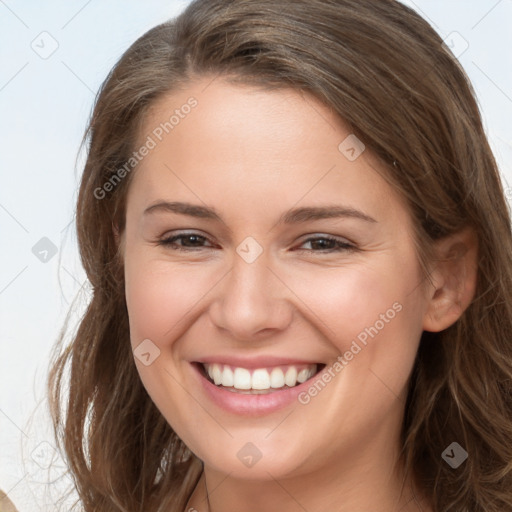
[(454, 280)]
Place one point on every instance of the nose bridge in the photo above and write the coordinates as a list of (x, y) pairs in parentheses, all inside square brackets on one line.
[(252, 298)]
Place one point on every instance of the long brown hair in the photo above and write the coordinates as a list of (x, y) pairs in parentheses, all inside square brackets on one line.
[(386, 72)]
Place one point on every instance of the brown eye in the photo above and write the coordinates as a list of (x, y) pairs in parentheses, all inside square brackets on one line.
[(185, 241), (327, 244)]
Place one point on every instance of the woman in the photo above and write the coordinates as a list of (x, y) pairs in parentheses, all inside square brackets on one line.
[(299, 247)]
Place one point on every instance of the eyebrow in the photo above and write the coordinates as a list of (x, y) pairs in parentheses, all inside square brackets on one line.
[(293, 216)]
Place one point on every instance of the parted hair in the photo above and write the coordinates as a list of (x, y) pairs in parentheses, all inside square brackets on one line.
[(383, 69)]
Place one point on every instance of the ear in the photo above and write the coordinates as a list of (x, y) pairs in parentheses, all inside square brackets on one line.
[(454, 280)]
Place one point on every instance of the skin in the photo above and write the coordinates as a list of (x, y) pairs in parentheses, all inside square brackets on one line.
[(252, 155)]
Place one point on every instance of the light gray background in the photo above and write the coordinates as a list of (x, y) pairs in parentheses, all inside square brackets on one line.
[(45, 101)]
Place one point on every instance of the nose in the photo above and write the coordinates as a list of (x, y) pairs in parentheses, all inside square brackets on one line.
[(252, 301)]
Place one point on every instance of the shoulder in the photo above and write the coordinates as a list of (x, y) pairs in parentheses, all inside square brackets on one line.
[(6, 505)]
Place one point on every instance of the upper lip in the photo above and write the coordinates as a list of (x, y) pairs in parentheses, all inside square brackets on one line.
[(256, 361)]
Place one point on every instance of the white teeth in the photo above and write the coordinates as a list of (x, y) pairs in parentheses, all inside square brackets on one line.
[(217, 374), (290, 378), (242, 378), (277, 378), (260, 378), (303, 375), (228, 379)]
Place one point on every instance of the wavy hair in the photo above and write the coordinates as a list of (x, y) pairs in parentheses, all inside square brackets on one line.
[(385, 71)]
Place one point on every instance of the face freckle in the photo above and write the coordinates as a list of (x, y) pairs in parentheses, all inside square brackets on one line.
[(253, 241)]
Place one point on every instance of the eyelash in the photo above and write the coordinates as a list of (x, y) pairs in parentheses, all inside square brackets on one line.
[(341, 246)]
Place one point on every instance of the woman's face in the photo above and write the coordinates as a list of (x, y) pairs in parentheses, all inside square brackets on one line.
[(262, 246)]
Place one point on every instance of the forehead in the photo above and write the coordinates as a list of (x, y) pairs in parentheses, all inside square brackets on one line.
[(215, 140), (239, 117)]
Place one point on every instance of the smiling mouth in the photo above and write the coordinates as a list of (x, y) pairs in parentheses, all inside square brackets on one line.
[(258, 380)]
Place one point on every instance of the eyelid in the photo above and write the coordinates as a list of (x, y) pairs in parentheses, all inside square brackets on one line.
[(316, 235), (341, 244), (167, 237)]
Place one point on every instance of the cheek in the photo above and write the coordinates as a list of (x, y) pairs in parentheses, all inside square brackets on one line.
[(345, 302), (159, 296), (372, 317)]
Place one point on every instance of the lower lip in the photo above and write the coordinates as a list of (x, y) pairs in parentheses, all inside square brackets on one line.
[(247, 404)]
